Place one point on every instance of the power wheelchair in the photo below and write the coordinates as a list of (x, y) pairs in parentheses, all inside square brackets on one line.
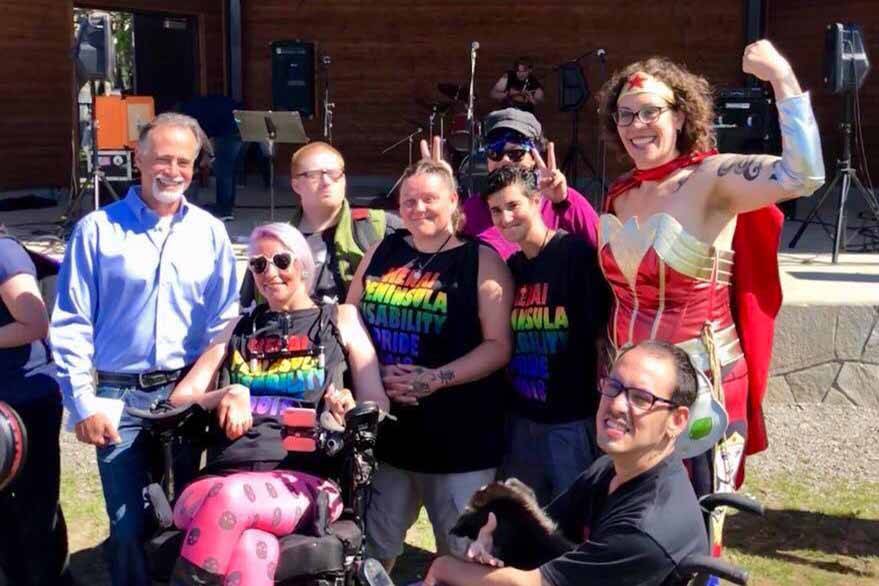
[(333, 554)]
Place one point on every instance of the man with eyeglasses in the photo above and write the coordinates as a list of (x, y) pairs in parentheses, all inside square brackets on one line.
[(146, 284), (633, 512), (516, 137), (337, 234)]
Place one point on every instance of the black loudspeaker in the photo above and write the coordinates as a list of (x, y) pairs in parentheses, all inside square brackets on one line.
[(746, 121), (573, 90), (293, 86), (845, 60), (94, 54)]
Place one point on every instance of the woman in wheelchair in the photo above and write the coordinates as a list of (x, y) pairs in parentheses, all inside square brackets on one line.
[(287, 353)]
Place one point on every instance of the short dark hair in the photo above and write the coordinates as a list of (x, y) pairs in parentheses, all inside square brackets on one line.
[(508, 175), (686, 380)]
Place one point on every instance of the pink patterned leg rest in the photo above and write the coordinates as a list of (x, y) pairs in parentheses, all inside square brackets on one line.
[(216, 512), (254, 560)]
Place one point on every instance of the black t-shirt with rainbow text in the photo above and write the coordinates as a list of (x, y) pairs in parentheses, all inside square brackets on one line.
[(423, 309), (559, 312)]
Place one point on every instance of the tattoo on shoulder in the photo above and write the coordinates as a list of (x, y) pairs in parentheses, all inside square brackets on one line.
[(446, 375), (747, 167), (680, 183)]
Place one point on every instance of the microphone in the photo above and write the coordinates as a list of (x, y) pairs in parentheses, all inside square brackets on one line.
[(474, 45), (601, 53)]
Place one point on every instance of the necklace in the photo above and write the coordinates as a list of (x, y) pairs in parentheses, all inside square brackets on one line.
[(546, 236), (419, 267)]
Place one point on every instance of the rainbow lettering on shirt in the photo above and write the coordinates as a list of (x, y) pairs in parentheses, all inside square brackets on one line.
[(277, 384), (539, 330), (399, 307)]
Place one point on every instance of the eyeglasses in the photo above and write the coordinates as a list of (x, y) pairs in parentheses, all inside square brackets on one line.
[(515, 155), (315, 175), (639, 399), (259, 264), (646, 115)]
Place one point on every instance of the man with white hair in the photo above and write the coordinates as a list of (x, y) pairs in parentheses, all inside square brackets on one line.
[(145, 285)]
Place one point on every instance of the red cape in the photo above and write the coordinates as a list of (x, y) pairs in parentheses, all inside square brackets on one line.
[(756, 288)]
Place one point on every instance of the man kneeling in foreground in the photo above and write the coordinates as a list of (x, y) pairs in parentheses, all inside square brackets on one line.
[(633, 511)]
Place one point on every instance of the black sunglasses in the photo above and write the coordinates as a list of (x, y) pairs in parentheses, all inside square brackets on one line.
[(515, 155), (259, 264), (639, 399)]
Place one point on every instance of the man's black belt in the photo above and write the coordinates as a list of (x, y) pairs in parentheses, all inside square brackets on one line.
[(143, 380)]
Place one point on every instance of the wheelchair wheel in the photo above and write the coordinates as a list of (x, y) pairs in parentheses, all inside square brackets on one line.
[(13, 445)]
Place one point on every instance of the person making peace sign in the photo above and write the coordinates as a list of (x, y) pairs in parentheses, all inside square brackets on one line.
[(514, 136)]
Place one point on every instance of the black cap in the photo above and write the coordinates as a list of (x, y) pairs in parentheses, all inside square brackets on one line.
[(513, 119)]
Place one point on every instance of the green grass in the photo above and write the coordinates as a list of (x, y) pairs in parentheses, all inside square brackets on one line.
[(811, 535), (827, 535)]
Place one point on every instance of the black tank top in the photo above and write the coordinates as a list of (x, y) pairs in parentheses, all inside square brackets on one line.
[(314, 358), (423, 309)]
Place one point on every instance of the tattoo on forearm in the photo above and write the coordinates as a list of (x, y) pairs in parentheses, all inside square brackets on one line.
[(446, 376), (747, 167)]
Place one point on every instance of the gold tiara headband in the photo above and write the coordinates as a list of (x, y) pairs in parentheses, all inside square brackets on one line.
[(644, 83)]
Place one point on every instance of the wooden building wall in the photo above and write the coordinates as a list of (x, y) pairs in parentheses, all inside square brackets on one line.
[(36, 100), (387, 54), (36, 85), (797, 27)]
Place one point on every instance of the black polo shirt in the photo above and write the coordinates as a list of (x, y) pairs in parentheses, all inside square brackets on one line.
[(637, 535)]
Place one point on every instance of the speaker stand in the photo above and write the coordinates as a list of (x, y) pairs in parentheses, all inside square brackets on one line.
[(847, 178), (576, 153)]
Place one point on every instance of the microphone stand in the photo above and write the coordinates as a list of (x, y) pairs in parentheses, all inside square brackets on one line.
[(471, 125), (411, 139), (328, 105)]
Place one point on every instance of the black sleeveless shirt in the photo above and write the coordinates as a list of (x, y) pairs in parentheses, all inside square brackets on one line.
[(423, 309), (297, 377)]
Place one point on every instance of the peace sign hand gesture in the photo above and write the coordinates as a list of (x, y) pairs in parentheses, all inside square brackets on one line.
[(550, 181), (434, 151)]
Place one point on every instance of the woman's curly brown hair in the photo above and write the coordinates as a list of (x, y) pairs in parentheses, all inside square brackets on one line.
[(693, 98)]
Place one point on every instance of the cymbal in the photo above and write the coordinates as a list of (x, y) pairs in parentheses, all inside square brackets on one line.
[(441, 107), (452, 90)]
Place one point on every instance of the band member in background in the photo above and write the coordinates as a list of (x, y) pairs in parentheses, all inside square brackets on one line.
[(513, 136), (666, 242), (519, 88)]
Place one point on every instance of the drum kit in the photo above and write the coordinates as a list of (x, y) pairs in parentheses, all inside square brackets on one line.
[(447, 118)]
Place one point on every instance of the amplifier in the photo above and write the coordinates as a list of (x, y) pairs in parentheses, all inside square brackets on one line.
[(116, 165), (746, 121)]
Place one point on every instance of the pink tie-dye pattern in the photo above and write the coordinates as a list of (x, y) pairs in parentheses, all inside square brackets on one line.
[(220, 514)]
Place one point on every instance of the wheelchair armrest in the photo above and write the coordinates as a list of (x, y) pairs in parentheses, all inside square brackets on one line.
[(740, 502), (694, 565), (164, 417)]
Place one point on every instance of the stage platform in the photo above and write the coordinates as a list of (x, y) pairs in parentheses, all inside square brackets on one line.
[(827, 334)]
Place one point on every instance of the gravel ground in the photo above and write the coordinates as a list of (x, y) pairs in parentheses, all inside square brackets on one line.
[(821, 443)]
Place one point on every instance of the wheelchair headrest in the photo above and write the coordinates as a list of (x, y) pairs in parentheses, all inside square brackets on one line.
[(13, 444)]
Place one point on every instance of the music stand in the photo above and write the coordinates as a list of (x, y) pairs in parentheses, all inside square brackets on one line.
[(271, 128)]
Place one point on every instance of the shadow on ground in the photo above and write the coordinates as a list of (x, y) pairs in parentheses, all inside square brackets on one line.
[(784, 534), (412, 565)]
